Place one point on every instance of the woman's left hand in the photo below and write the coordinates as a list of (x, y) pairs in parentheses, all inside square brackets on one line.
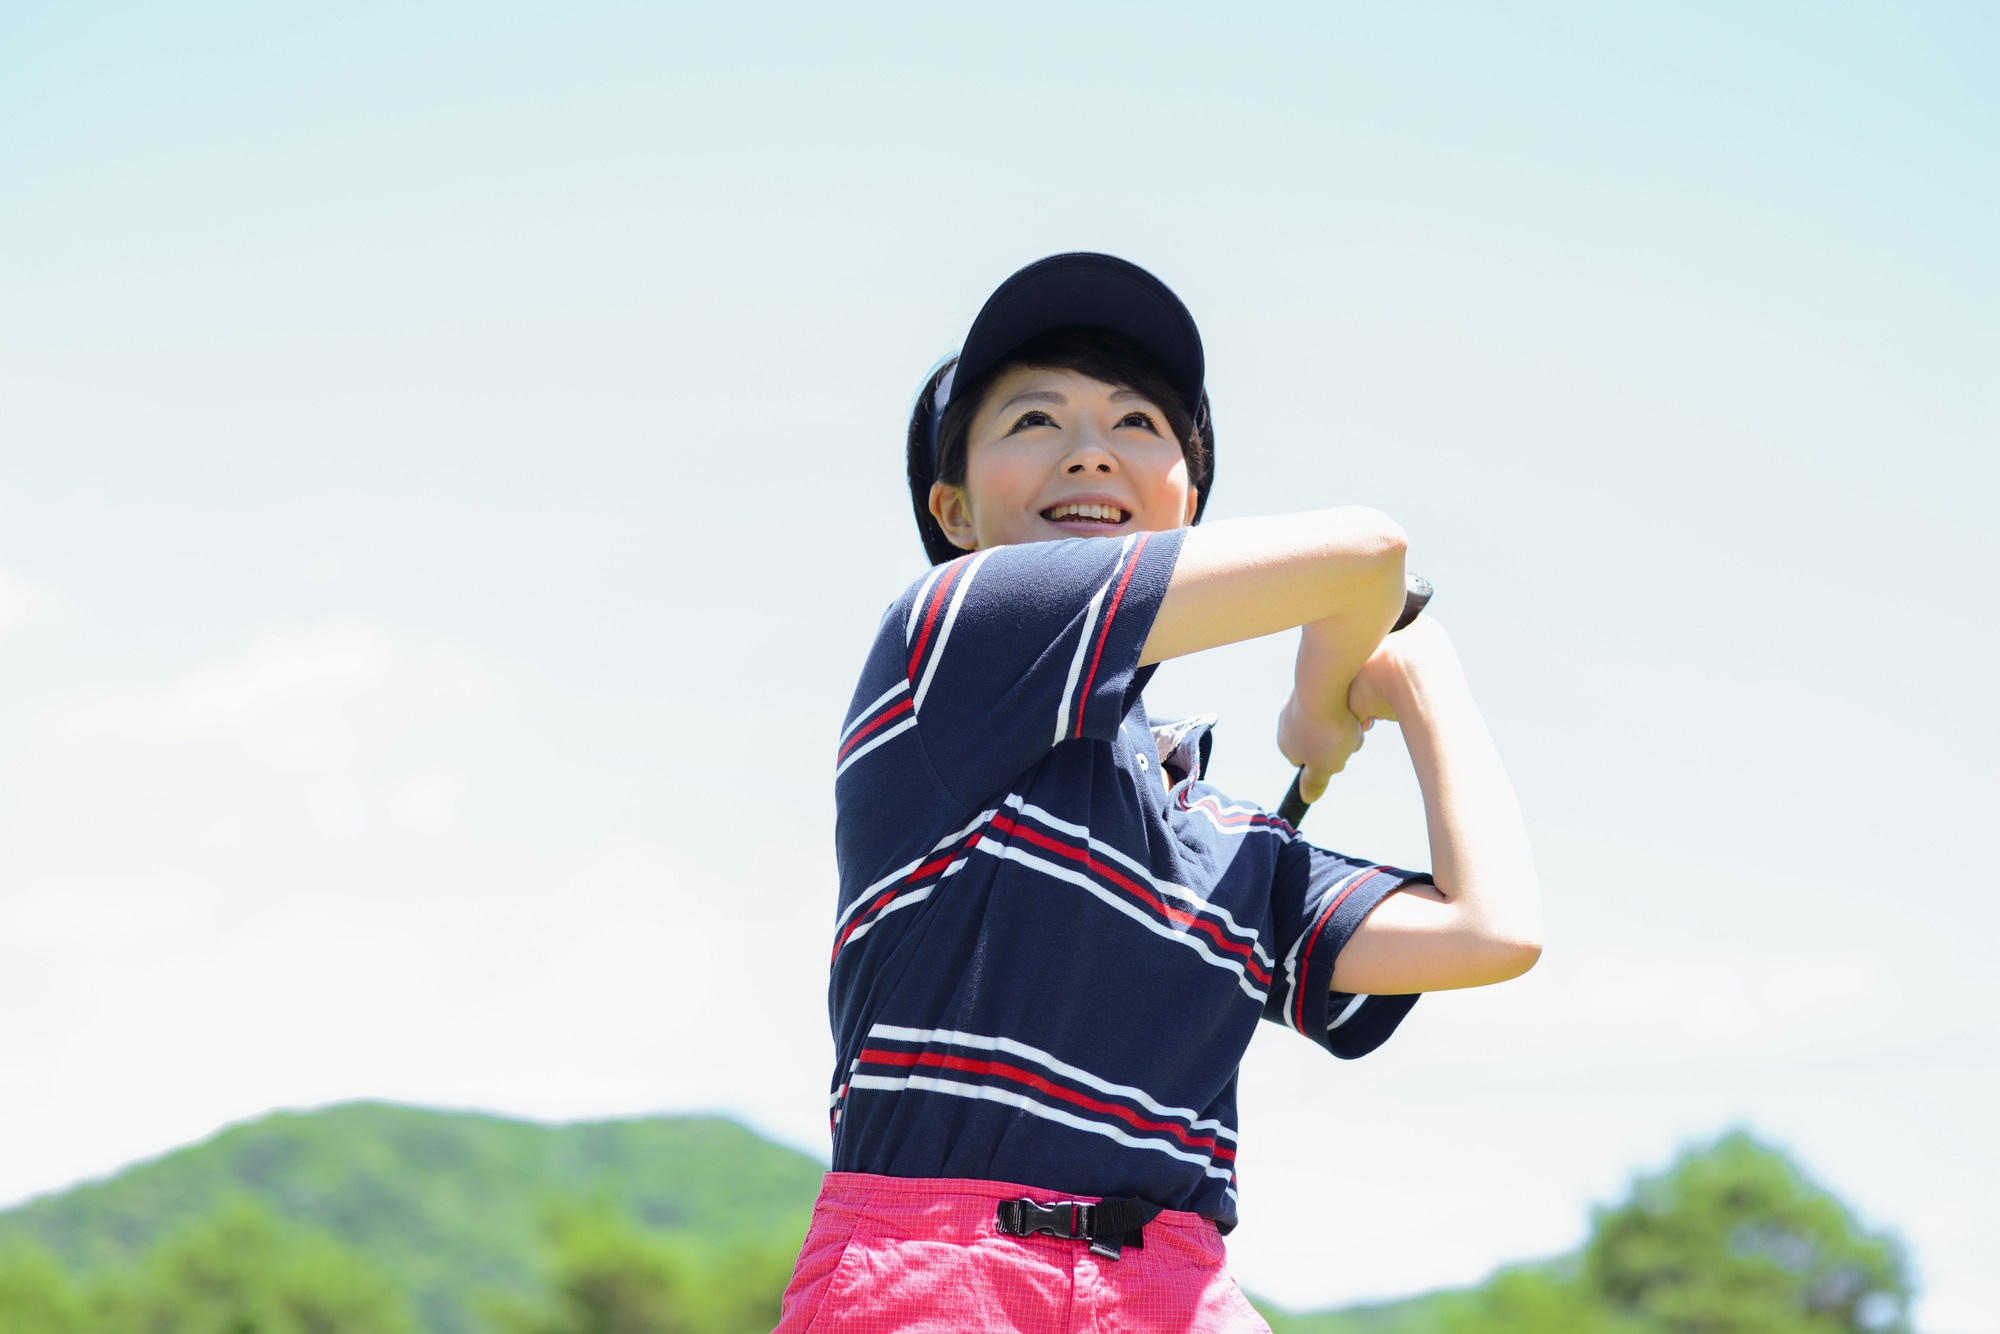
[(1386, 677)]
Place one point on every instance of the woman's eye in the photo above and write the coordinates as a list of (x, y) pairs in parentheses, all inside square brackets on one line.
[(1140, 420), (1029, 419)]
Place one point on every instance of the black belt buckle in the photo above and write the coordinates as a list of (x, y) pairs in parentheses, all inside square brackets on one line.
[(1109, 1227), (1022, 1218)]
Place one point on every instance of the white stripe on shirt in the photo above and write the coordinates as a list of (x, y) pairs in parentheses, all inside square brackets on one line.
[(1007, 1097), (981, 1042), (944, 632), (1292, 954), (923, 596), (1123, 905), (1167, 887), (880, 700), (1083, 643), (865, 895), (859, 751)]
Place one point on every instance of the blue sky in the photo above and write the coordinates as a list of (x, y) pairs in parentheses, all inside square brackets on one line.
[(449, 475)]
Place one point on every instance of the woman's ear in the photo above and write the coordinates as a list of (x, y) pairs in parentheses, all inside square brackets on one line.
[(949, 508), (1187, 519)]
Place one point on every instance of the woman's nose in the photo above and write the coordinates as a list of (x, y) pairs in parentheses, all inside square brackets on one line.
[(1090, 455)]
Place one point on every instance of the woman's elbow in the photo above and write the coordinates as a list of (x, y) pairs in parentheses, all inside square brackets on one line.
[(1512, 927), (1374, 535), (1500, 952), (1510, 958), (1490, 960)]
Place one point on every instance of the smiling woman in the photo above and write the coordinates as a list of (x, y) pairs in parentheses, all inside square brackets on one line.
[(1054, 938)]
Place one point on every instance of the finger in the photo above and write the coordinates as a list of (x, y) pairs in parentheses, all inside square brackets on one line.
[(1312, 784)]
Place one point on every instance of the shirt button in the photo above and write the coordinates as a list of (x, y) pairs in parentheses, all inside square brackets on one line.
[(1140, 756)]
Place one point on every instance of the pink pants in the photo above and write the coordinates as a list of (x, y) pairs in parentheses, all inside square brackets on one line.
[(886, 1255)]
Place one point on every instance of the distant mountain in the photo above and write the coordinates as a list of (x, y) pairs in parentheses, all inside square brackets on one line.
[(452, 1204)]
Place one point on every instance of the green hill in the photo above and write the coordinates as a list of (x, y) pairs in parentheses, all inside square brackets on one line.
[(452, 1205)]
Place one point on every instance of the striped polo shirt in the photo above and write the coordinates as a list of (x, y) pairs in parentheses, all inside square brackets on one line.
[(1048, 959)]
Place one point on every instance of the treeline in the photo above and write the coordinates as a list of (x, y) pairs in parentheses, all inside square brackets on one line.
[(1731, 1239), (243, 1271)]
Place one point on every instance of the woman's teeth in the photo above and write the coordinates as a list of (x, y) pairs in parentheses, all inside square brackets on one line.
[(1089, 513)]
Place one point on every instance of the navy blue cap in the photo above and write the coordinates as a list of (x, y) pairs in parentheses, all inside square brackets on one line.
[(1081, 288)]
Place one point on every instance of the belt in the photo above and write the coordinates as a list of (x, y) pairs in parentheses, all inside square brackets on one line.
[(1108, 1226)]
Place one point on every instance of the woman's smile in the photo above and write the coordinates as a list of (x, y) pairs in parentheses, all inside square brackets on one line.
[(1088, 515)]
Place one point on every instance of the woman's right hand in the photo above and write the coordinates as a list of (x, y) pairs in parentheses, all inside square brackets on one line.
[(1319, 744)]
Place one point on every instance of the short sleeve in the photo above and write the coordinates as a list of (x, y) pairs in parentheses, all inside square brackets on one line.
[(1318, 900), (1016, 649)]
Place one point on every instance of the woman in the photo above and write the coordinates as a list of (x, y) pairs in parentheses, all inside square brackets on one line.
[(1054, 938)]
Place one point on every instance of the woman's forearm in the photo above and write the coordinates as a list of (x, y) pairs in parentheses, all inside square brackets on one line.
[(1483, 921), (1480, 857), (1237, 579)]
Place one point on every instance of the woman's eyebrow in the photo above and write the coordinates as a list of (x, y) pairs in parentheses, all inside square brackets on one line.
[(1123, 395), (1036, 396)]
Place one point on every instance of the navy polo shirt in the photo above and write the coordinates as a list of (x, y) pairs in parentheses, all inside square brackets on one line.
[(1048, 963)]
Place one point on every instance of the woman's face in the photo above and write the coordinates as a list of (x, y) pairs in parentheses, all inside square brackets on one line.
[(1054, 453)]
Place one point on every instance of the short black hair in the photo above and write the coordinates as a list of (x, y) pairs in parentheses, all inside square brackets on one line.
[(1098, 353)]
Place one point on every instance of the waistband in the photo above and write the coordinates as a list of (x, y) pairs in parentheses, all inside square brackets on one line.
[(964, 1209)]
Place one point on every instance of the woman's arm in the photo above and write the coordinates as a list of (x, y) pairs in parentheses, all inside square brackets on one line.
[(1483, 921), (1337, 572), (1238, 579)]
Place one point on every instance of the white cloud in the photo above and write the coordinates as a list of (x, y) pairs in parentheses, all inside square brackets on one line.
[(1666, 999), (427, 803), (555, 994), (95, 915), (1808, 988), (18, 602), (284, 700), (336, 807)]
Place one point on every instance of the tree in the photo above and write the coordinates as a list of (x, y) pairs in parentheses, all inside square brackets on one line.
[(1533, 1300), (241, 1272), (610, 1277), (37, 1297), (1733, 1239)]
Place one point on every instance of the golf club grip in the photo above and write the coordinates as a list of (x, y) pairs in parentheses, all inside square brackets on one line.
[(1417, 592)]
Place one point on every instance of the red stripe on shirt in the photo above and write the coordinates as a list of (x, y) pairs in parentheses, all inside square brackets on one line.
[(930, 617), (968, 1065), (1305, 961), (1104, 631), (935, 864), (901, 706), (1132, 887)]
